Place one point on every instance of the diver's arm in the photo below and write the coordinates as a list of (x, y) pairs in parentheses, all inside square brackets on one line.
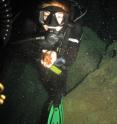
[(73, 45)]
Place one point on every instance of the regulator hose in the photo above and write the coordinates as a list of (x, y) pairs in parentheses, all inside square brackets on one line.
[(5, 21)]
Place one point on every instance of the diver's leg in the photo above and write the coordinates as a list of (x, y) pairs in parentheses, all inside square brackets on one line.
[(58, 89)]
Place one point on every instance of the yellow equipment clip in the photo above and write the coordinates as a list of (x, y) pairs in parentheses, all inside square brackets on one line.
[(55, 69)]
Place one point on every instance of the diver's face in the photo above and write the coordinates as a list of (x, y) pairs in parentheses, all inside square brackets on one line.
[(52, 19)]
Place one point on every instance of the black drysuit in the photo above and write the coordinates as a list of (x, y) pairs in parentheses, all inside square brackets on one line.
[(67, 49)]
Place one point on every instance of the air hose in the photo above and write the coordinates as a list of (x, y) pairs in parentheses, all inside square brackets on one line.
[(5, 22)]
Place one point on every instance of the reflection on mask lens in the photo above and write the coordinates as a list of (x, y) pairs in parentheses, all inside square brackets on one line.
[(45, 15), (59, 17)]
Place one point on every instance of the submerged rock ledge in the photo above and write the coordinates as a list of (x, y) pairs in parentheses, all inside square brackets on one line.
[(94, 101)]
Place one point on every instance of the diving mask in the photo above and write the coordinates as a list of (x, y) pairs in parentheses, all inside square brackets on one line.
[(52, 20)]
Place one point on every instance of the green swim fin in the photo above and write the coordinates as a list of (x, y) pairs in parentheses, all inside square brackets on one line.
[(56, 114)]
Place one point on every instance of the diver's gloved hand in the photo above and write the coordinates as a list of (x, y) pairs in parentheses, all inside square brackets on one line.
[(2, 96), (48, 58)]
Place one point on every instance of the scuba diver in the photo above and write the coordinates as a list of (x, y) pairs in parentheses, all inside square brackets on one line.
[(59, 43), (50, 39)]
